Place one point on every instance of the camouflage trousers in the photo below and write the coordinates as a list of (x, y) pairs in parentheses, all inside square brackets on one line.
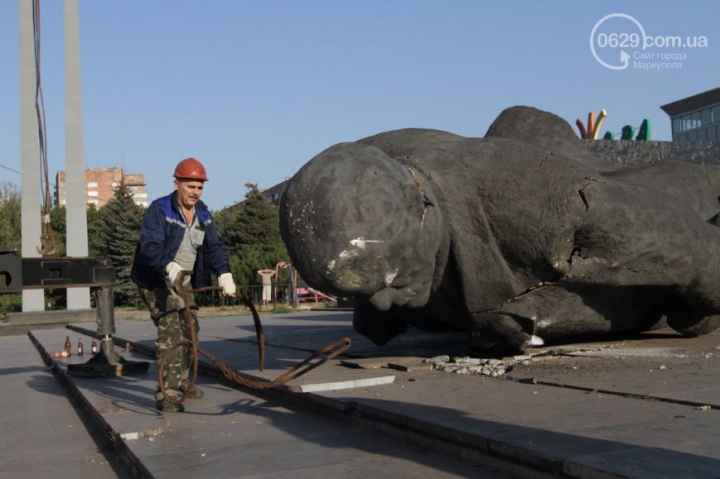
[(167, 310)]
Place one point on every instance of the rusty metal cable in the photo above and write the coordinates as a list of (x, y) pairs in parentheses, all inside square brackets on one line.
[(256, 319), (322, 355), (47, 240)]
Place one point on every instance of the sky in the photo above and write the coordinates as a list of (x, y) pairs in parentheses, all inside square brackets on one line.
[(255, 89)]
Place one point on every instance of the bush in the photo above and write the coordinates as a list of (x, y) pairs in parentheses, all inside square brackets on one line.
[(10, 303)]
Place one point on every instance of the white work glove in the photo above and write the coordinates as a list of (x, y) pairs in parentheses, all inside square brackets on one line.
[(227, 284), (173, 269)]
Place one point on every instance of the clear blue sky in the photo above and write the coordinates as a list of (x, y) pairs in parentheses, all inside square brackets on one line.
[(254, 89)]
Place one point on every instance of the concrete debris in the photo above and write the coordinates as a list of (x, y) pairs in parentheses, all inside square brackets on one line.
[(477, 366), (412, 366), (524, 357), (335, 386), (438, 359)]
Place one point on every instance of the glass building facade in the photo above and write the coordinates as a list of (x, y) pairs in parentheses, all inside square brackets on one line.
[(696, 118)]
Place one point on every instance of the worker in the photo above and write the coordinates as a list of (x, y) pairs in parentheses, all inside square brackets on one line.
[(178, 235)]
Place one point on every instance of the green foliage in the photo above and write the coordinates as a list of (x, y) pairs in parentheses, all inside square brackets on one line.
[(10, 303), (116, 237), (251, 231), (93, 224), (58, 223), (10, 226), (10, 229)]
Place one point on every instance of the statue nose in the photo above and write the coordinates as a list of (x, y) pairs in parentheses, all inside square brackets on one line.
[(359, 273)]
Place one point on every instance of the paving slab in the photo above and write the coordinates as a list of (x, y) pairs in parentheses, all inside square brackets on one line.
[(230, 433), (660, 364), (43, 431), (576, 431)]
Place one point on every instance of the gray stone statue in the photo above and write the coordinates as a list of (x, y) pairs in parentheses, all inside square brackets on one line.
[(515, 238)]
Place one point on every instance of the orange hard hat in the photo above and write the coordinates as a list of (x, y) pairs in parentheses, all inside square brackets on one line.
[(190, 169)]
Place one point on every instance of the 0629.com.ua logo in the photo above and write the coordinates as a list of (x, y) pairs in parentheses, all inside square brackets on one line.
[(619, 41)]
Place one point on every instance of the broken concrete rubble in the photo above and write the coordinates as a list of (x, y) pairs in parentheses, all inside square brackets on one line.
[(477, 366)]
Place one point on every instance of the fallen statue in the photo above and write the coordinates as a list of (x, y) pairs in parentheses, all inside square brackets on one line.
[(515, 238)]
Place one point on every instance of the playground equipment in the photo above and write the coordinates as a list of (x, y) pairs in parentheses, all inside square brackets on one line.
[(300, 294)]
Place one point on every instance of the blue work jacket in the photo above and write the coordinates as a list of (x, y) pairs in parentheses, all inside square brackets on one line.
[(162, 232)]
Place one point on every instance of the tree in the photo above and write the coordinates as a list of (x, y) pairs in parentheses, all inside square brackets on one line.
[(10, 226), (251, 231), (93, 223), (10, 229), (58, 223), (117, 236)]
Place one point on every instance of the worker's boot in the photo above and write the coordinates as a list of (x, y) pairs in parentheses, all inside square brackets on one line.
[(194, 393), (164, 405)]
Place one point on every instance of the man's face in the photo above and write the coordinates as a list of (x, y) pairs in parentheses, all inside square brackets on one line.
[(188, 192)]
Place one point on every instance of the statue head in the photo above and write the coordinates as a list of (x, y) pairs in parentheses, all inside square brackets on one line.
[(357, 222)]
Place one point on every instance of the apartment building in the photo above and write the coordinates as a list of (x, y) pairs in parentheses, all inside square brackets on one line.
[(101, 183)]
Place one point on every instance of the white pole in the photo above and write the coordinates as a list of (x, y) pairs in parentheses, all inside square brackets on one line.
[(75, 185), (32, 300)]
